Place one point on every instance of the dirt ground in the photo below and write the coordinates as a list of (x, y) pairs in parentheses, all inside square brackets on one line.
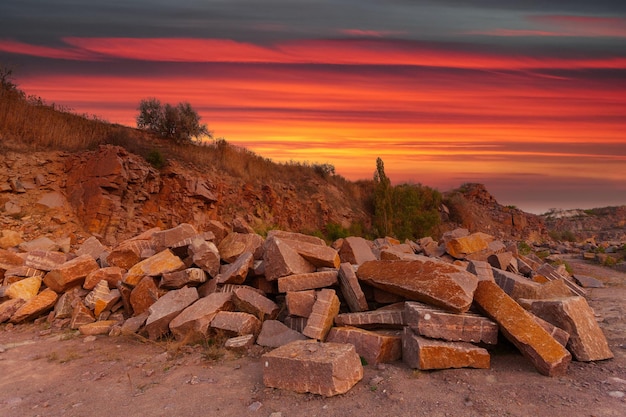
[(51, 372)]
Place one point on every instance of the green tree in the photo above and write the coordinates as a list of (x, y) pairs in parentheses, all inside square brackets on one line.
[(180, 123)]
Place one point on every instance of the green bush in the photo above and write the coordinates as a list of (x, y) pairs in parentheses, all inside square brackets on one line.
[(156, 159)]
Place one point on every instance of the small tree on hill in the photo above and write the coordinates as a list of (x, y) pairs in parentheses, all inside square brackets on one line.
[(180, 123)]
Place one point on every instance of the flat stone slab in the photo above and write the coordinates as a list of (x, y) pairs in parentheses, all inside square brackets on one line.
[(313, 280), (351, 289), (356, 250), (36, 306), (383, 317), (428, 280), (326, 369), (250, 301), (192, 324), (586, 281), (236, 322), (163, 311), (281, 260), (161, 263), (422, 353), (519, 327), (300, 303), (322, 317), (319, 255), (375, 346), (70, 273), (275, 334)]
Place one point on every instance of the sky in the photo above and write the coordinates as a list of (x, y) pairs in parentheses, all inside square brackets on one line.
[(525, 96)]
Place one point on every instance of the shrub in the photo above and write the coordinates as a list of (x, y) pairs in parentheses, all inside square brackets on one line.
[(180, 123), (156, 159)]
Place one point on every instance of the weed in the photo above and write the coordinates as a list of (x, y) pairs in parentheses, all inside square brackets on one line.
[(524, 248)]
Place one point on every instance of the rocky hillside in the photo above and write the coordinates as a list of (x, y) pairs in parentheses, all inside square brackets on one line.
[(600, 224)]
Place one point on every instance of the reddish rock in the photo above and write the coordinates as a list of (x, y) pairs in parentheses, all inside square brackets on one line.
[(240, 343), (9, 307), (161, 263), (383, 317), (481, 269), (237, 272), (281, 260), (171, 238), (573, 315), (36, 306), (356, 250), (81, 315), (375, 347), (233, 245), (274, 334), (25, 289), (187, 277), (97, 327), (112, 275), (552, 274), (306, 366), (301, 282), (295, 323), (44, 260), (300, 303), (428, 280), (9, 260), (192, 324), (318, 255), (107, 302), (65, 304), (101, 291), (129, 253), (299, 237), (519, 327), (460, 247), (205, 255), (322, 317), (15, 274), (167, 308), (144, 295), (435, 323), (91, 247), (133, 324), (422, 353), (559, 334), (236, 323), (250, 301), (500, 260), (70, 274), (350, 288)]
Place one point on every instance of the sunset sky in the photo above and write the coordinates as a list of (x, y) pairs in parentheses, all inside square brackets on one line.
[(525, 96)]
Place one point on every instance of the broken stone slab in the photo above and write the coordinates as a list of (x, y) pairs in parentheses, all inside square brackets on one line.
[(161, 263), (587, 281), (275, 334), (393, 255), (516, 286), (249, 300), (25, 289), (322, 316), (111, 274), (307, 366), (81, 315), (293, 236), (236, 272), (559, 334), (166, 308), (321, 256), (392, 318), (129, 252), (43, 244), (422, 353), (144, 295), (9, 260), (9, 307), (18, 272), (36, 306), (281, 260), (300, 303), (500, 260), (97, 327), (92, 247), (234, 244), (574, 315), (100, 291), (107, 302), (10, 239), (428, 280), (481, 269), (133, 324), (236, 323), (435, 323), (240, 343), (309, 281), (192, 324), (460, 247), (205, 255), (44, 260), (519, 327), (65, 304), (70, 273), (350, 288), (381, 346), (551, 274), (356, 250), (170, 238), (187, 277), (295, 323)]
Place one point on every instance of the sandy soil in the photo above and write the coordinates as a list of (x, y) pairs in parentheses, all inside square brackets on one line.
[(51, 372)]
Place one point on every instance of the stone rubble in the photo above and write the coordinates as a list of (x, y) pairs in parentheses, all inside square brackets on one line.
[(433, 305)]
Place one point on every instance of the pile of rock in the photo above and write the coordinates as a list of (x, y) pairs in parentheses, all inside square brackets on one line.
[(325, 309)]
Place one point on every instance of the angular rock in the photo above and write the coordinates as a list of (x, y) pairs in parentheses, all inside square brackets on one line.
[(322, 317), (292, 236), (166, 308), (133, 324), (92, 247), (44, 260), (143, 295), (9, 239), (573, 314), (250, 301), (295, 323), (318, 255), (21, 272), (234, 244), (36, 306), (460, 247), (240, 343), (192, 324), (161, 263), (275, 334), (350, 288), (70, 273), (9, 260), (99, 292), (500, 260), (435, 323), (25, 289), (587, 281), (481, 269), (236, 323), (519, 287), (41, 244), (427, 280), (107, 302), (552, 274), (236, 272), (386, 297), (9, 307), (559, 334), (217, 228), (382, 346), (313, 280), (205, 255), (422, 353), (300, 303), (64, 306), (171, 238), (129, 252), (392, 318), (81, 315), (97, 327), (281, 260), (174, 280), (306, 366), (356, 250), (519, 327), (112, 275)]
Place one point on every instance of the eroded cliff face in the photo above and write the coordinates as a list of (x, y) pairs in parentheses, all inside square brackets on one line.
[(114, 194)]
